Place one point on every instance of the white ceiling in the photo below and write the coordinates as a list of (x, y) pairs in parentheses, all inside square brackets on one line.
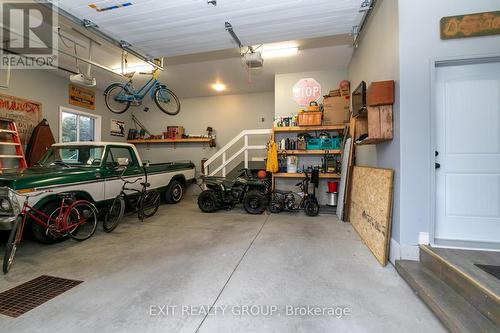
[(194, 79), (178, 27)]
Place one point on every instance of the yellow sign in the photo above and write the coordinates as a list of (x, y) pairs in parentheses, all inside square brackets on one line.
[(81, 97), (471, 25)]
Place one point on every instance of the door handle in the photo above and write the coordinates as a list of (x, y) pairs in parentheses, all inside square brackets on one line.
[(437, 165)]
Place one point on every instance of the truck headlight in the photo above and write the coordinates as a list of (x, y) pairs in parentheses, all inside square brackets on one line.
[(5, 205)]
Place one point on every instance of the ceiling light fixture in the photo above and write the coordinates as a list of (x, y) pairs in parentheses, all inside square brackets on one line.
[(130, 69), (219, 87), (269, 53)]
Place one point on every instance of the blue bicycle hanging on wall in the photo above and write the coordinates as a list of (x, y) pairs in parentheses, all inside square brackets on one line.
[(119, 96)]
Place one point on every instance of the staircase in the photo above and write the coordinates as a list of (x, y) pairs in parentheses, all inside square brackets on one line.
[(462, 296), (219, 163)]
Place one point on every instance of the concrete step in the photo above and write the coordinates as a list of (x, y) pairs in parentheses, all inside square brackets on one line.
[(458, 315), (456, 269)]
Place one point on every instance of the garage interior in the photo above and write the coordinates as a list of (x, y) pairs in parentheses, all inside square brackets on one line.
[(250, 166)]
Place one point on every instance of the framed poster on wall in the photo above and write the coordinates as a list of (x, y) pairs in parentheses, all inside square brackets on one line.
[(117, 128), (26, 113)]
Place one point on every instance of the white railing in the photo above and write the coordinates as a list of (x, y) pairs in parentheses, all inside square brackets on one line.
[(244, 150)]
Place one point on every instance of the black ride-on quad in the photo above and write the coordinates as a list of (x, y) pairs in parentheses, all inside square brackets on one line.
[(291, 201), (222, 193)]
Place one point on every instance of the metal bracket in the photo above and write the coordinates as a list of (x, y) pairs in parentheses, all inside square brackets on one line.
[(89, 24)]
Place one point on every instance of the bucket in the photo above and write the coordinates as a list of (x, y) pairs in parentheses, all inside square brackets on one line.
[(291, 164), (332, 187), (331, 199)]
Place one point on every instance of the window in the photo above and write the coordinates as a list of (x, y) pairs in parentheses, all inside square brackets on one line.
[(73, 156), (120, 152), (77, 126)]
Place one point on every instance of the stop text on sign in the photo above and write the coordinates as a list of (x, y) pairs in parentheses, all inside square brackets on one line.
[(306, 91)]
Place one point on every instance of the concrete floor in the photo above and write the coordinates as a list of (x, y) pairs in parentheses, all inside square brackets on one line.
[(191, 261)]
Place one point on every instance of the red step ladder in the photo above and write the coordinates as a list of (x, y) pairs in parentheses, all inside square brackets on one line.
[(15, 140)]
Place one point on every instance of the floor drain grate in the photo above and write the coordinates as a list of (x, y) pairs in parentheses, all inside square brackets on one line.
[(27, 296), (490, 269)]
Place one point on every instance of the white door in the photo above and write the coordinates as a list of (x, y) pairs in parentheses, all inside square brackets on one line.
[(468, 145)]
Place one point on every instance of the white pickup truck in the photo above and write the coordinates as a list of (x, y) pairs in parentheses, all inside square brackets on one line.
[(89, 170)]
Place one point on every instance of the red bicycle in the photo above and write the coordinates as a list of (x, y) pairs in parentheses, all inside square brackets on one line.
[(75, 218)]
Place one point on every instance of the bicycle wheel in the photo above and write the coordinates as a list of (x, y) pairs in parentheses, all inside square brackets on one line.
[(114, 214), (11, 246), (81, 220), (109, 98), (149, 203), (167, 101)]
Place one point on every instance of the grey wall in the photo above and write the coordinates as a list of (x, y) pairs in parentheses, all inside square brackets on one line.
[(419, 44), (228, 115), (52, 91), (283, 83), (377, 59)]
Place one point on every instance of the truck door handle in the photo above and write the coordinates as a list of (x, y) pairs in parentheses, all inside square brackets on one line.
[(437, 165)]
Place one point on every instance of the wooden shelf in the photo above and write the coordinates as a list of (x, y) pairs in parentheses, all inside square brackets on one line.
[(301, 175), (368, 141), (309, 128), (184, 140), (310, 152)]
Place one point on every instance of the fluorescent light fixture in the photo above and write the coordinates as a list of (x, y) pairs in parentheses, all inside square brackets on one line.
[(267, 54), (219, 87), (137, 69)]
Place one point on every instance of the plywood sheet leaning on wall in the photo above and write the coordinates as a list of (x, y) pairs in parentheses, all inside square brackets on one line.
[(371, 208)]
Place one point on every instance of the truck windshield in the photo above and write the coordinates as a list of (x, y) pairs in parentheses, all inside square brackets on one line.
[(72, 156)]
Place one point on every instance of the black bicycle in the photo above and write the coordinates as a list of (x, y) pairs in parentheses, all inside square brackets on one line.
[(144, 201)]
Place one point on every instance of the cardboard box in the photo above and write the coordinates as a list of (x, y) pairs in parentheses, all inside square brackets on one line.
[(336, 110)]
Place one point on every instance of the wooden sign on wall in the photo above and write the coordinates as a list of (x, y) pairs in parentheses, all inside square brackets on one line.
[(81, 97), (470, 25), (27, 114)]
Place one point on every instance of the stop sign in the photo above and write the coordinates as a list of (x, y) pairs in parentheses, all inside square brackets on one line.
[(306, 91)]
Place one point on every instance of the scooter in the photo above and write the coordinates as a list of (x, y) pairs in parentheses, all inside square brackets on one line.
[(294, 201)]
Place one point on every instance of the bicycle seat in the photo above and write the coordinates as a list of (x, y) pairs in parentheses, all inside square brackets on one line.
[(129, 75), (146, 184)]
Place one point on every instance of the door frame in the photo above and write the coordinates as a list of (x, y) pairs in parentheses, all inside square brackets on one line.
[(435, 64)]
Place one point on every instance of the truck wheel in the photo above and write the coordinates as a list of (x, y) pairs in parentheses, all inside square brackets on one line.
[(255, 202), (208, 201), (175, 192), (39, 232)]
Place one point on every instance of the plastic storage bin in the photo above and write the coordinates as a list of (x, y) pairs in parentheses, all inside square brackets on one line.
[(313, 144)]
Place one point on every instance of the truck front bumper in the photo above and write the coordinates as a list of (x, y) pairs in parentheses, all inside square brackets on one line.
[(6, 222)]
